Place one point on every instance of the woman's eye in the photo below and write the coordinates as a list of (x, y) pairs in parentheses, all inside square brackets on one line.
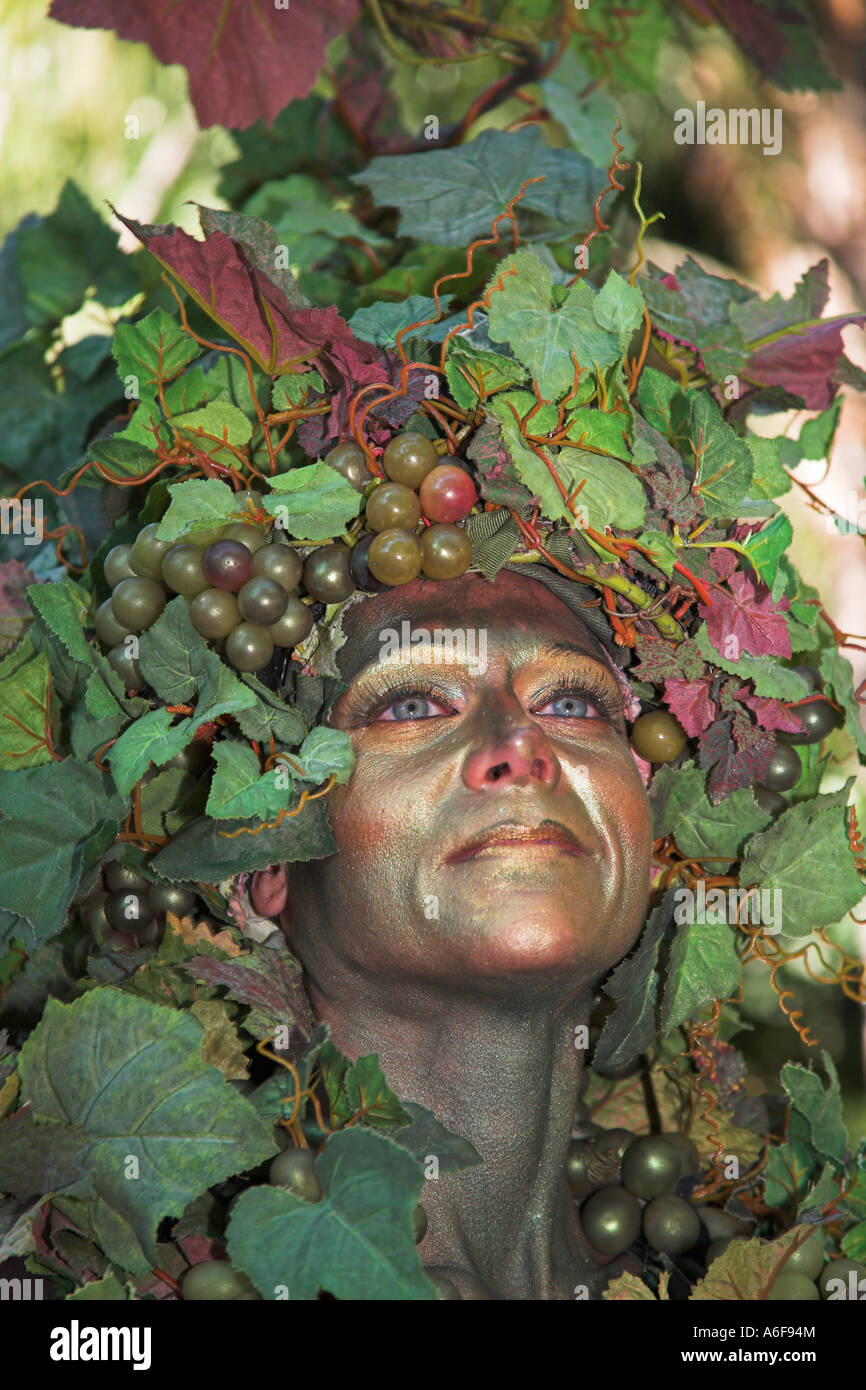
[(571, 707), (412, 707)]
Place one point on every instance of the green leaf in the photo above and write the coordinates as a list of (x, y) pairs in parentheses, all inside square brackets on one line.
[(313, 502), (127, 458), (451, 196), (64, 610), (218, 420), (240, 790), (23, 689), (598, 429), (587, 121), (529, 467), (745, 1270), (176, 662), (769, 676), (838, 675), (541, 337), (380, 323), (821, 1108), (769, 478), (205, 849), (680, 805), (44, 852), (664, 550), (150, 739), (196, 505), (805, 857), (703, 965), (105, 1290), (612, 495), (854, 1243), (153, 350), (723, 463), (764, 547), (425, 1138), (325, 751), (487, 372), (295, 388), (358, 1089), (142, 1092), (618, 307), (634, 985), (270, 717), (356, 1243)]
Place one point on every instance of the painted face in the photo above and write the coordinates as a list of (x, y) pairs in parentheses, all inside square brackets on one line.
[(495, 833)]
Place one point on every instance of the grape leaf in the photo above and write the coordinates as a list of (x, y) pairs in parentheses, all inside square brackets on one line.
[(451, 196), (221, 1046), (769, 677), (143, 1091), (44, 852), (245, 61), (268, 980), (150, 739), (744, 618), (127, 457), (23, 690), (153, 351), (747, 1269), (424, 1137), (703, 965), (64, 610), (769, 478), (587, 120), (805, 856), (326, 751), (661, 662), (821, 1108), (207, 847), (240, 790), (838, 674), (196, 505), (358, 1089), (312, 503), (261, 244), (269, 717), (15, 611), (357, 1242), (381, 322), (634, 985), (218, 420), (692, 703), (680, 805), (764, 547), (723, 463), (628, 1288)]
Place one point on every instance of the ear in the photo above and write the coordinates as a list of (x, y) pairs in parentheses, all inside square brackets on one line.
[(269, 891)]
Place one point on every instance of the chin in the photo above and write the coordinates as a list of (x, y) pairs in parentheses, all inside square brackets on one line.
[(538, 943)]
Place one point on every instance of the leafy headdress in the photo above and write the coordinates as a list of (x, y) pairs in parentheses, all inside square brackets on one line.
[(605, 430)]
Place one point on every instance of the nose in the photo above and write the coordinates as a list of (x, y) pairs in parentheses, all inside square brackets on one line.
[(519, 755)]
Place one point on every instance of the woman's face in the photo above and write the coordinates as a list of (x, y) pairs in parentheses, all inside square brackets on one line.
[(495, 830)]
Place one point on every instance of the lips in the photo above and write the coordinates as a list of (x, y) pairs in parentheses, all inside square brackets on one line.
[(509, 834)]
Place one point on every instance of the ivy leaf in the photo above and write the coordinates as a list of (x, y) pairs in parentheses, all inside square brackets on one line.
[(703, 965), (805, 856), (196, 505), (240, 790), (680, 805), (153, 351), (245, 61), (312, 503), (634, 985), (744, 618), (326, 751), (821, 1108), (143, 1092), (541, 337), (44, 853), (24, 677), (451, 196), (356, 1243)]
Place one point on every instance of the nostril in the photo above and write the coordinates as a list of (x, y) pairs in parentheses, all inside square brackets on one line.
[(537, 768), (500, 770)]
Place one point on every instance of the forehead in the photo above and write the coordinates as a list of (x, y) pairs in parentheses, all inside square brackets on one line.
[(514, 611)]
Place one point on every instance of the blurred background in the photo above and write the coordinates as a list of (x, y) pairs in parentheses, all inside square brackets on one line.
[(67, 97)]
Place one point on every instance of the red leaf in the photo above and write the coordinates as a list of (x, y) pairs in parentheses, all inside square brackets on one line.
[(734, 764), (246, 59), (745, 618), (770, 714), (14, 609), (724, 561), (804, 365), (692, 704)]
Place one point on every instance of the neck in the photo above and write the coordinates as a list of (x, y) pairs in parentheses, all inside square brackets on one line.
[(506, 1076)]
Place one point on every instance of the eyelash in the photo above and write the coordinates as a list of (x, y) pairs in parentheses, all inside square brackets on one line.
[(588, 687)]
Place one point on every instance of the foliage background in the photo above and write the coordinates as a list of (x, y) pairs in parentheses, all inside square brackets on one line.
[(66, 94)]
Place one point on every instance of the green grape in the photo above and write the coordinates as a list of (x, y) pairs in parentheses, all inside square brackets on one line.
[(817, 717), (295, 624), (794, 1288), (326, 574), (216, 1280), (717, 1248), (214, 613), (279, 563), (610, 1219), (119, 878), (182, 571), (137, 603), (262, 601), (658, 737), (126, 667), (392, 505), (843, 1269), (579, 1183), (784, 771), (167, 897), (720, 1224), (128, 911), (446, 551), (148, 553), (613, 1141), (116, 566), (394, 557), (772, 802), (419, 1223), (408, 458), (651, 1167), (108, 629), (293, 1169), (249, 647), (808, 1260), (690, 1161), (671, 1225), (250, 535), (350, 461)]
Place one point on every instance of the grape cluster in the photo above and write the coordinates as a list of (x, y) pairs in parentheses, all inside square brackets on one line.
[(411, 517), (627, 1186)]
